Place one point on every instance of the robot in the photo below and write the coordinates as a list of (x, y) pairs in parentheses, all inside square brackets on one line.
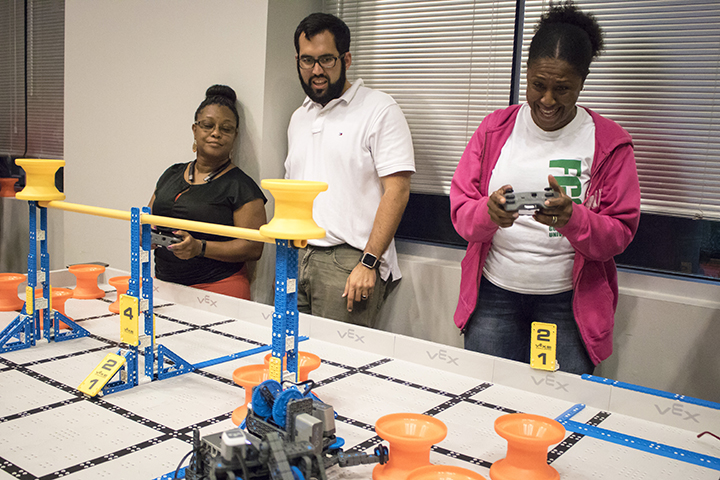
[(289, 435)]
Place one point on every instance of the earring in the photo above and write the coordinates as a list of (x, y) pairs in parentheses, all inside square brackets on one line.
[(194, 147)]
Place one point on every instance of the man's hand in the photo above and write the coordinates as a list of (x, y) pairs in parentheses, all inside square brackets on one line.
[(359, 285)]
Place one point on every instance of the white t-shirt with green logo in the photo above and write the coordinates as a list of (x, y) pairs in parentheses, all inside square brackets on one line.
[(530, 257)]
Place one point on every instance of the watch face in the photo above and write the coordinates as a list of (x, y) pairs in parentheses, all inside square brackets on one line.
[(369, 260)]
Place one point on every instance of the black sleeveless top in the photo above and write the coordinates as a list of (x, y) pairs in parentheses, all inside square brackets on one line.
[(212, 202)]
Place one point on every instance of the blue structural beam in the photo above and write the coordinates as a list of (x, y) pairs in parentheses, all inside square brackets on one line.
[(651, 391), (235, 356), (147, 293), (636, 443), (285, 317)]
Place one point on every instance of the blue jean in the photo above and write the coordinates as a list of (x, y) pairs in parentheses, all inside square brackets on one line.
[(501, 326)]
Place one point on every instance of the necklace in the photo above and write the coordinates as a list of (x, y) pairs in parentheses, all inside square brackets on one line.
[(211, 175)]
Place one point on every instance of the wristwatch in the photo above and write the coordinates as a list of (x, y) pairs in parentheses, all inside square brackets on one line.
[(369, 260), (202, 248)]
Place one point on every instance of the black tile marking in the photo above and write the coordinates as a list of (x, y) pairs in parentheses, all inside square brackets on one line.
[(185, 433)]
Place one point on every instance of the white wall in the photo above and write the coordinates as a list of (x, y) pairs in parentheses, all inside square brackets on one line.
[(135, 71)]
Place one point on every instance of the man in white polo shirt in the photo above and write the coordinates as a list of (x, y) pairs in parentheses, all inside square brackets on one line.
[(357, 140)]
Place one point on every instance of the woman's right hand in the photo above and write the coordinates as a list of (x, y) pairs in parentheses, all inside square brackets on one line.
[(498, 215), (188, 248)]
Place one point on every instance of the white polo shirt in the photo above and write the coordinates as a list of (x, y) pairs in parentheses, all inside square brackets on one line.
[(350, 143)]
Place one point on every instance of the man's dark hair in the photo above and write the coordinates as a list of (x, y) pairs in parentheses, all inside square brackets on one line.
[(568, 34), (320, 22)]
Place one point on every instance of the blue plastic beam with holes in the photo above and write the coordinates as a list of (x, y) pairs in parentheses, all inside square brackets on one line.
[(636, 443)]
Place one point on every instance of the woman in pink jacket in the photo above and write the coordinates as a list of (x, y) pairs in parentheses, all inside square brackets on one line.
[(556, 264)]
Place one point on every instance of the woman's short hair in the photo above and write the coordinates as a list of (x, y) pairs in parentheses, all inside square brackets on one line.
[(566, 33), (220, 95)]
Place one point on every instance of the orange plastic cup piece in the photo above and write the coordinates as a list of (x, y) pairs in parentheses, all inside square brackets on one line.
[(444, 472), (121, 284), (9, 299), (528, 437), (248, 376), (411, 435), (7, 187), (307, 362), (87, 278), (59, 297)]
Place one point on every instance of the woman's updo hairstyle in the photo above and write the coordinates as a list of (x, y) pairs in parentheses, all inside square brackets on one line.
[(220, 95), (568, 34)]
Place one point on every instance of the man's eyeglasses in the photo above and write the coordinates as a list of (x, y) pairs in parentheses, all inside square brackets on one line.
[(326, 61), (209, 127)]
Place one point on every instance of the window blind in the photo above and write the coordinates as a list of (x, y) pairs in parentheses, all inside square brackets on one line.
[(12, 77), (658, 78), (447, 64), (45, 78)]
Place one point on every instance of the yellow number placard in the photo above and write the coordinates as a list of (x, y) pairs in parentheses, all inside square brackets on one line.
[(129, 320), (102, 374), (543, 344)]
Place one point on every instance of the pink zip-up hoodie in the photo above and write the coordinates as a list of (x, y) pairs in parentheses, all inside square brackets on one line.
[(602, 227)]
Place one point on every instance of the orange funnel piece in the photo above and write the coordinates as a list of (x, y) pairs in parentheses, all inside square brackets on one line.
[(248, 376), (87, 281), (9, 299), (444, 472), (410, 436), (121, 284), (307, 362), (528, 437), (58, 298)]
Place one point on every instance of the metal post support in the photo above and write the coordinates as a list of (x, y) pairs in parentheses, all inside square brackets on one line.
[(285, 317), (134, 282), (51, 325), (147, 296), (292, 323), (32, 273)]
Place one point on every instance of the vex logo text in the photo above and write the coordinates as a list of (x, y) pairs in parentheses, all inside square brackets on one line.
[(679, 411), (208, 300), (351, 335), (551, 382), (442, 356)]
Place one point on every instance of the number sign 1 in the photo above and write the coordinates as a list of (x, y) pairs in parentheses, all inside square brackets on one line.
[(543, 346), (102, 374)]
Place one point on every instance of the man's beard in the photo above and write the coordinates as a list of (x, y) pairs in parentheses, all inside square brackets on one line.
[(334, 90)]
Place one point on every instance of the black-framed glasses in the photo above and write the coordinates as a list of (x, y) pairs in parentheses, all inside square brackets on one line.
[(208, 127), (307, 62)]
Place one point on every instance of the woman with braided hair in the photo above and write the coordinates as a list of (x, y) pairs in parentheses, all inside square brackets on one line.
[(556, 265)]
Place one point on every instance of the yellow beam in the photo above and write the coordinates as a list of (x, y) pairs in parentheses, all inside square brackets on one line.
[(178, 223), (97, 211)]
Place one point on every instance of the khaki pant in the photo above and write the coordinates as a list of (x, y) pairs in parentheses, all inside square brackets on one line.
[(322, 274)]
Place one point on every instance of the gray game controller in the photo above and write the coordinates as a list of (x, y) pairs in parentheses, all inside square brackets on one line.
[(527, 202)]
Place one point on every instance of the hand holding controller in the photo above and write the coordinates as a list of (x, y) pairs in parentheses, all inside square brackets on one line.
[(164, 237), (526, 203)]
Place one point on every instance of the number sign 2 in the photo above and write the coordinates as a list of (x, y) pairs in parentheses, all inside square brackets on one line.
[(543, 346), (102, 374)]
